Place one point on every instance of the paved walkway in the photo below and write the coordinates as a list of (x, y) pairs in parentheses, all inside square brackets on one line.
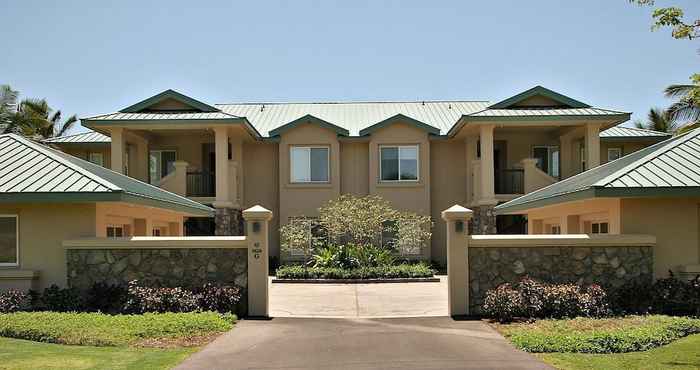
[(359, 300), (361, 344)]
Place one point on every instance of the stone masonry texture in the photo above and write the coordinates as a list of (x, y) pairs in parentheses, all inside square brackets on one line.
[(187, 268), (483, 222), (228, 222), (609, 267)]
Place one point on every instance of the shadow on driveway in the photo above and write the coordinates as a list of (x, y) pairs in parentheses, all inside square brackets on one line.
[(397, 343)]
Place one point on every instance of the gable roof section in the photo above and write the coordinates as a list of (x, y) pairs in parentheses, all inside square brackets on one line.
[(169, 94), (668, 168), (564, 100), (31, 172), (92, 137), (400, 118), (624, 133), (312, 120)]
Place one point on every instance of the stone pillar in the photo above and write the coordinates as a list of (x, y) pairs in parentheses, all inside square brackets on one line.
[(456, 219), (117, 149), (484, 220), (592, 145), (257, 235), (228, 221)]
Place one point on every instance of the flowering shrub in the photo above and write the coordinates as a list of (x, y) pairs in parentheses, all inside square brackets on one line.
[(218, 298), (534, 299), (140, 299), (13, 301)]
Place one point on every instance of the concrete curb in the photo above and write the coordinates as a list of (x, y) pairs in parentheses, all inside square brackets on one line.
[(355, 281)]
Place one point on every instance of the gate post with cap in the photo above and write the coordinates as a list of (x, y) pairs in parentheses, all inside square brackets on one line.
[(457, 222), (257, 220)]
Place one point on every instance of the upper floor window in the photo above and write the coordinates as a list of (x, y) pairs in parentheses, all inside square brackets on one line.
[(9, 246), (160, 164), (96, 158), (398, 163), (547, 159), (614, 153), (309, 164)]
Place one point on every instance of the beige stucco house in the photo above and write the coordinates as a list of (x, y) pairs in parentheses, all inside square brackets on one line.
[(655, 190), (47, 196), (292, 158)]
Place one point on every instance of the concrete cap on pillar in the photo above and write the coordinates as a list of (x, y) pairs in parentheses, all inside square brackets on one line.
[(257, 212), (457, 212)]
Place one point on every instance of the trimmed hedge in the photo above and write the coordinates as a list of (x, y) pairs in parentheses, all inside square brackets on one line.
[(97, 329), (614, 335), (419, 270)]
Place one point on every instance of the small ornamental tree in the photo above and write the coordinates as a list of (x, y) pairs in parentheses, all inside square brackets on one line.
[(356, 220), (296, 237)]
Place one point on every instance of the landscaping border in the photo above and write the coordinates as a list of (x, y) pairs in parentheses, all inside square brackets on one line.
[(355, 281)]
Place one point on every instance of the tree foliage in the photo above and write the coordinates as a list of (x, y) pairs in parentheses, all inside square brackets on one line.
[(33, 118), (674, 18), (659, 120)]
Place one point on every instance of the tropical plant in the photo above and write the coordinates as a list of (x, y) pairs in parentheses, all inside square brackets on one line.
[(8, 104), (687, 108), (35, 118), (659, 120)]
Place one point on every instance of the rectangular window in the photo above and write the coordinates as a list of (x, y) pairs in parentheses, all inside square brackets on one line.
[(547, 159), (614, 153), (160, 164), (598, 227), (9, 241), (156, 232), (309, 164), (398, 163), (96, 158), (115, 231), (556, 230)]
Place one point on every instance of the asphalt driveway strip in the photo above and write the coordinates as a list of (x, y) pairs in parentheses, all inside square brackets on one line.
[(361, 344)]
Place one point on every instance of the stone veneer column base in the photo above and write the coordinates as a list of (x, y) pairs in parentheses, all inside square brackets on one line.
[(229, 222), (484, 221)]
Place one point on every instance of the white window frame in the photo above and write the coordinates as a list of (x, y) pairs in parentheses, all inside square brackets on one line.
[(550, 158), (309, 147), (612, 150), (97, 155), (11, 264), (398, 147)]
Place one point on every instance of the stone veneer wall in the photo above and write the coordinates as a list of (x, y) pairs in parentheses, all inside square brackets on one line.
[(167, 267), (483, 222), (606, 266), (228, 222)]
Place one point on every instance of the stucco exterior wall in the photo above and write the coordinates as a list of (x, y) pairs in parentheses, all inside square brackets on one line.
[(448, 171), (261, 183), (42, 228), (674, 222), (354, 168), (572, 215), (140, 220), (82, 152), (519, 143), (627, 148), (305, 199)]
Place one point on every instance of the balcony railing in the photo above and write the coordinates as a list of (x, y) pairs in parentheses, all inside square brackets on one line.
[(201, 184), (510, 181)]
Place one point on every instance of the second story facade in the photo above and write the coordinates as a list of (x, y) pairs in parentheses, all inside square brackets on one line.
[(294, 157)]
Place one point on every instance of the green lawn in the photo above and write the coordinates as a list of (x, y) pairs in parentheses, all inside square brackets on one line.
[(681, 354), (23, 354)]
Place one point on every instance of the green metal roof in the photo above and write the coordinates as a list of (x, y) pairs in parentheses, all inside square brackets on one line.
[(358, 118), (668, 168), (169, 94), (31, 172), (85, 137), (622, 132)]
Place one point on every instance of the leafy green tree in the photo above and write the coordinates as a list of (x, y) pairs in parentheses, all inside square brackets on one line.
[(674, 18), (35, 118), (687, 108), (659, 120)]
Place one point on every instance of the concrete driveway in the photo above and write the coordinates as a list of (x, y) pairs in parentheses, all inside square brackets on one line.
[(361, 344), (359, 300)]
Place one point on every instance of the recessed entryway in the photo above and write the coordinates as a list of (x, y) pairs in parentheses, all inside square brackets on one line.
[(422, 299)]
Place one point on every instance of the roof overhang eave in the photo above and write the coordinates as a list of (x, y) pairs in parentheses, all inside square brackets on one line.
[(100, 125)]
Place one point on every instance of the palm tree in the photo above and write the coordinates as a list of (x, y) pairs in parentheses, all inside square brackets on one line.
[(8, 105), (34, 119), (687, 108), (659, 120)]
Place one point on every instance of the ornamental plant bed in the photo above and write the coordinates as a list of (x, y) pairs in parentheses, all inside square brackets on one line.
[(415, 272)]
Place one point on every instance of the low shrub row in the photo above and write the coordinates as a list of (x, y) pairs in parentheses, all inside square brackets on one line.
[(133, 298), (98, 329), (533, 299), (612, 335), (670, 296), (419, 270)]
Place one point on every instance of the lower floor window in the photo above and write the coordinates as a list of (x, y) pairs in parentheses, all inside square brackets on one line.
[(599, 227), (156, 232), (556, 229), (115, 231), (9, 247)]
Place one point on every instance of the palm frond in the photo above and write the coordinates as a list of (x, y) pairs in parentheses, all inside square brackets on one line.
[(66, 126), (8, 100), (685, 111), (679, 91)]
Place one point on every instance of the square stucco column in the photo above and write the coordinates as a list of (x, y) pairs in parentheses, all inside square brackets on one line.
[(222, 175), (456, 220), (117, 149), (487, 196), (257, 220), (592, 145)]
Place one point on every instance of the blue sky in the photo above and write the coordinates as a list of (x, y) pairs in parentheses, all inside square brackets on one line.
[(90, 57)]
